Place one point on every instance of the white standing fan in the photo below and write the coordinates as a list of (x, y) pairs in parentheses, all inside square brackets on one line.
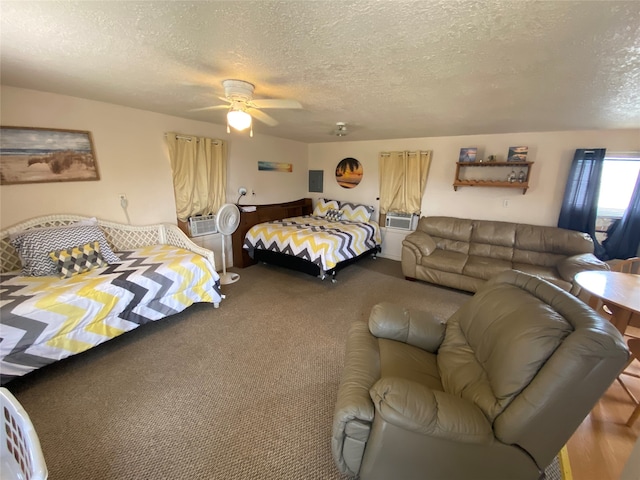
[(227, 220)]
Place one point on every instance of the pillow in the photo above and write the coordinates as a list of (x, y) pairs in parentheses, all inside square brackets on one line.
[(334, 215), (75, 260), (356, 212), (323, 206), (34, 246)]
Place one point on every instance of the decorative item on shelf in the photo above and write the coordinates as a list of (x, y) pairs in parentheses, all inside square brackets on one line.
[(512, 176), (468, 154), (517, 154), (522, 176), (492, 158)]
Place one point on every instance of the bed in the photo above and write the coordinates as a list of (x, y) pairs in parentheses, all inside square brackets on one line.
[(334, 236), (128, 276)]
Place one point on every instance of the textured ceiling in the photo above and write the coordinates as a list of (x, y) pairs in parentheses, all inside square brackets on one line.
[(389, 69)]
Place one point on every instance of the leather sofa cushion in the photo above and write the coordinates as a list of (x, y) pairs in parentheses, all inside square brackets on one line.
[(445, 260), (530, 257), (495, 344), (494, 233), (447, 227), (491, 251), (569, 267), (485, 267), (398, 359), (552, 239), (548, 273), (425, 244), (450, 234)]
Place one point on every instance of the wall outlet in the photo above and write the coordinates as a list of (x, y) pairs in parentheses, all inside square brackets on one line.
[(505, 203), (122, 197)]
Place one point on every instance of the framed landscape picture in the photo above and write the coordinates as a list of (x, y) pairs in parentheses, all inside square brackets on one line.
[(517, 154), (39, 155), (468, 154)]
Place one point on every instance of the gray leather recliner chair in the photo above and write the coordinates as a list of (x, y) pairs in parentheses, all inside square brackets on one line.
[(495, 392)]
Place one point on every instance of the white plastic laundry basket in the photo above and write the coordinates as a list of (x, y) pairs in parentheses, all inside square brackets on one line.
[(20, 453)]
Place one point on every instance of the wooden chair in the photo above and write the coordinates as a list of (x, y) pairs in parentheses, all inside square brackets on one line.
[(632, 266)]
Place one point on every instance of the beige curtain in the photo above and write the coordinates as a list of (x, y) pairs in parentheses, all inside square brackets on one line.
[(403, 177), (199, 167)]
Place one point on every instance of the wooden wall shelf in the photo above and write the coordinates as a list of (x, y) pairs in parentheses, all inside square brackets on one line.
[(525, 166)]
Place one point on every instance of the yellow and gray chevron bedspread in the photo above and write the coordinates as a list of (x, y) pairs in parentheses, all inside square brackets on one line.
[(44, 319), (320, 241)]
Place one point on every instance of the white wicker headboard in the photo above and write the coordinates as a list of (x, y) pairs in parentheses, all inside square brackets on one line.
[(120, 237)]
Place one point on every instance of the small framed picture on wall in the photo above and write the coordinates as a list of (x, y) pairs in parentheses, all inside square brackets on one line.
[(468, 154), (517, 154)]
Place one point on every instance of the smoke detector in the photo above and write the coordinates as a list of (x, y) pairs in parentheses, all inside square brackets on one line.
[(341, 129)]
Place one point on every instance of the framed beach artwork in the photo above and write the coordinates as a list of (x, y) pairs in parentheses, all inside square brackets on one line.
[(517, 154), (275, 167), (349, 173), (40, 155), (468, 154)]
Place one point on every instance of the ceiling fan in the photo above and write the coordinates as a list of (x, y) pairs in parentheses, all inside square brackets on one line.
[(243, 107)]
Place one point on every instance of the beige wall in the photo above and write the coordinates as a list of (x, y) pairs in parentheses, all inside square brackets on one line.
[(132, 159), (552, 153)]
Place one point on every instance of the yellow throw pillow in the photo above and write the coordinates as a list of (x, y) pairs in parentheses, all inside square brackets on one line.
[(75, 260)]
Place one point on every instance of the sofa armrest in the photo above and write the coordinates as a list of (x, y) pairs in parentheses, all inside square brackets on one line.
[(414, 327), (354, 410), (415, 407), (570, 266), (420, 242)]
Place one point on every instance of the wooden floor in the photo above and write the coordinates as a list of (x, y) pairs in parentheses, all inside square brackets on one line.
[(600, 447)]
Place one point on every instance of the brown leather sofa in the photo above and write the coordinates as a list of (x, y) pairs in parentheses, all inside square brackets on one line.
[(464, 254), (492, 393)]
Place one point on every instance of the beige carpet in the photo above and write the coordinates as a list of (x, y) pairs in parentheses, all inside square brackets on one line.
[(242, 392)]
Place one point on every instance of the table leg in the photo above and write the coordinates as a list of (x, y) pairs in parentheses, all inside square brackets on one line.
[(620, 317)]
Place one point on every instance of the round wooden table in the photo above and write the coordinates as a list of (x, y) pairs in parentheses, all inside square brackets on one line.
[(618, 291)]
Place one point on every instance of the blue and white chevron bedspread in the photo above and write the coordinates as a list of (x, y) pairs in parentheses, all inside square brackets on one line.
[(320, 241), (44, 319)]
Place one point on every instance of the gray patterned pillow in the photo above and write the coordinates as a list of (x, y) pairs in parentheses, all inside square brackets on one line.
[(356, 212), (77, 260), (334, 215), (34, 246), (323, 206)]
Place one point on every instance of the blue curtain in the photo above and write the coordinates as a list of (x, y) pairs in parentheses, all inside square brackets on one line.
[(623, 237), (580, 204)]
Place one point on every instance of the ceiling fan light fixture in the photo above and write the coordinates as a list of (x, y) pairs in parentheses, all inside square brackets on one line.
[(239, 119), (341, 129)]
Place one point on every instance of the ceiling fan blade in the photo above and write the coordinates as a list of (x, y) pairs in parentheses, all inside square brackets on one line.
[(263, 117), (214, 107), (275, 103)]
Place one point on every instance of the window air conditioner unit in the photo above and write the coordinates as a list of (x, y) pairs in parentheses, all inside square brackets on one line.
[(401, 221), (202, 225)]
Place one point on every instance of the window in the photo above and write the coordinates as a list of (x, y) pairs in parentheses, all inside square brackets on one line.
[(619, 174)]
